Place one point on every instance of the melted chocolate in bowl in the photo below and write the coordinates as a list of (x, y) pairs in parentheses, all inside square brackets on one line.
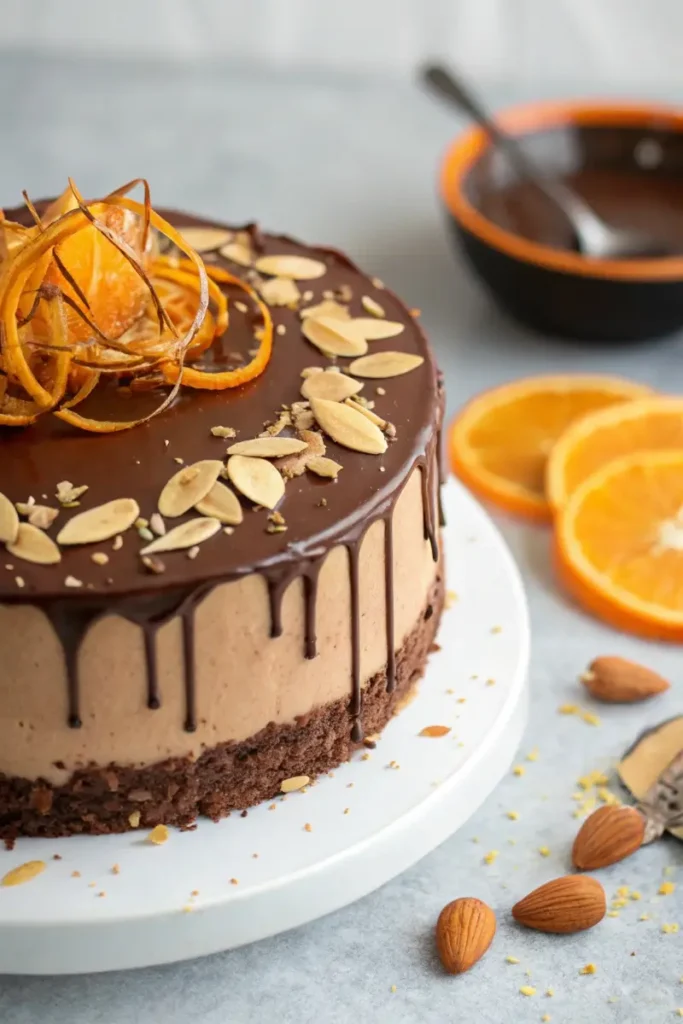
[(631, 176)]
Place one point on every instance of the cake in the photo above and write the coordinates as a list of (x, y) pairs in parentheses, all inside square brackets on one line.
[(161, 660)]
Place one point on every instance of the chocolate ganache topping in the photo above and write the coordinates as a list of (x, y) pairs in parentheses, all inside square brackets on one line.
[(319, 514)]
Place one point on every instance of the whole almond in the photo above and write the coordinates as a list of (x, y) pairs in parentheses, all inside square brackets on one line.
[(565, 905), (464, 932), (619, 681), (609, 835)]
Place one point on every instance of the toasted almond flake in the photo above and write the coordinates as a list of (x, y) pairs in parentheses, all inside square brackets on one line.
[(435, 730), (241, 307), (374, 329), (309, 371), (322, 466), (371, 306), (225, 432), (134, 819), (298, 268), (385, 364), (333, 386), (295, 465), (187, 487), (334, 337), (9, 521), (157, 524), (185, 536), (368, 413), (588, 969), (24, 873), (328, 308), (267, 447), (256, 479), (511, 960), (296, 782), (42, 516), (280, 291), (71, 581), (193, 552), (348, 427), (32, 545), (568, 709), (527, 990), (222, 504), (99, 558), (100, 523), (205, 239), (158, 835), (237, 253)]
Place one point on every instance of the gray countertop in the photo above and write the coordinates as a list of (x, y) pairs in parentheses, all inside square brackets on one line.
[(352, 161)]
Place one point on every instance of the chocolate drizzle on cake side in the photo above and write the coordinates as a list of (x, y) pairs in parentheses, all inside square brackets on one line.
[(138, 463)]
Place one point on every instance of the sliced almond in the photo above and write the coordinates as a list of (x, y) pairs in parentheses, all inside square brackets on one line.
[(374, 329), (267, 447), (42, 516), (385, 364), (295, 465), (371, 306), (334, 386), (33, 545), (348, 427), (188, 486), (298, 268), (9, 521), (256, 479), (100, 523), (326, 308), (296, 782), (322, 466), (194, 531), (309, 371), (237, 253), (333, 336), (368, 413), (280, 291), (205, 239), (222, 504)]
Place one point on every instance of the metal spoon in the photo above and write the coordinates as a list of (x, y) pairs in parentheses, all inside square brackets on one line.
[(594, 237)]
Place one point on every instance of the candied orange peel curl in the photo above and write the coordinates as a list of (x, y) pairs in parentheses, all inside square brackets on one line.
[(86, 298)]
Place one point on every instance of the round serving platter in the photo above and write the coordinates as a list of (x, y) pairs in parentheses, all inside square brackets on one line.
[(113, 902)]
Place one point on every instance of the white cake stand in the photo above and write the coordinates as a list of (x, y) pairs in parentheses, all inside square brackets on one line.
[(312, 852)]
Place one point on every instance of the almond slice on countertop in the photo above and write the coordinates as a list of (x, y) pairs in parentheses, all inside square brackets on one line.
[(9, 521), (371, 306), (237, 253), (280, 291), (385, 364), (204, 239), (334, 337), (348, 427), (256, 479), (322, 466), (298, 268), (374, 329), (33, 545), (188, 486), (328, 307), (222, 504), (333, 386), (267, 447), (194, 531), (100, 523)]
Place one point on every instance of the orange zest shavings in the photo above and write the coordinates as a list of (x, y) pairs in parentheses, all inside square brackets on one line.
[(86, 298)]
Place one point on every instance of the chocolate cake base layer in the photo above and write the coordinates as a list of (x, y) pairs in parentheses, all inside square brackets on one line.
[(228, 777)]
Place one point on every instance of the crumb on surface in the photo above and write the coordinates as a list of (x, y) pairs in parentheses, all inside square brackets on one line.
[(544, 851), (588, 969), (490, 857), (528, 990), (511, 960), (518, 770), (159, 835), (666, 889)]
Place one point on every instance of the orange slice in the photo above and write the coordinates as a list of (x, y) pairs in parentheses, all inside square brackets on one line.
[(619, 544), (500, 442), (646, 424)]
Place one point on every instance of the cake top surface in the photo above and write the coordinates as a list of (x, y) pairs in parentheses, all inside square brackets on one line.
[(316, 511)]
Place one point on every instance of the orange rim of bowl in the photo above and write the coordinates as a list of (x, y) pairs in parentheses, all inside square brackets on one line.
[(463, 154)]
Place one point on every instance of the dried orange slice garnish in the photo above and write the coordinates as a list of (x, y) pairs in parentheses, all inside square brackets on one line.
[(500, 442), (84, 296), (654, 423), (619, 544)]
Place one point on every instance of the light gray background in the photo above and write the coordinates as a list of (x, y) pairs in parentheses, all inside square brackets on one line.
[(349, 156)]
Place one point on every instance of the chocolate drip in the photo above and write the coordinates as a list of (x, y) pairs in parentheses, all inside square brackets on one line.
[(428, 498), (149, 633), (275, 592), (187, 620), (442, 475), (389, 599), (356, 695), (311, 599), (71, 625)]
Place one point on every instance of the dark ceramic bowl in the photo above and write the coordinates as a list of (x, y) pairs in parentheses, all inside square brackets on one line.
[(627, 161)]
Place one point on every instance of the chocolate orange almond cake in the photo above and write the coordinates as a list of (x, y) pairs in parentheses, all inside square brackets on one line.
[(219, 507)]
